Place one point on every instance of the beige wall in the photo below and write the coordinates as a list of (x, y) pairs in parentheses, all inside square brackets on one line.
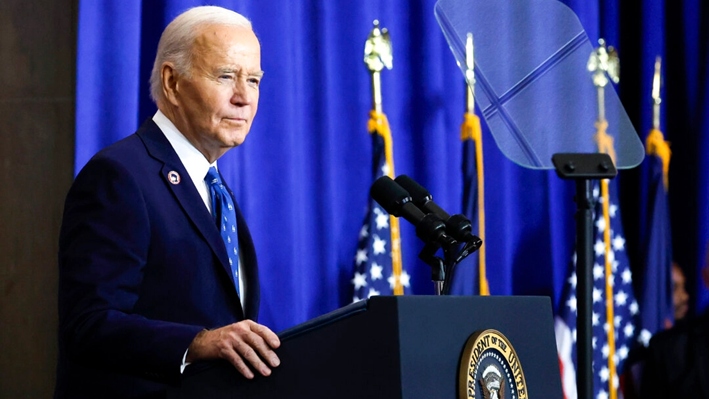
[(37, 68)]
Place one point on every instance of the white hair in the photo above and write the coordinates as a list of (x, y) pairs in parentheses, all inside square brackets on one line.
[(176, 41)]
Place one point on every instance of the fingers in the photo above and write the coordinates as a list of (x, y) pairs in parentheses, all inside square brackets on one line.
[(246, 345), (264, 332)]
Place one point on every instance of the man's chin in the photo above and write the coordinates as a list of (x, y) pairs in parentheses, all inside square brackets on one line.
[(235, 139)]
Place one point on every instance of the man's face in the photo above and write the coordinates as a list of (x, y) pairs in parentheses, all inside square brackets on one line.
[(680, 298), (217, 102)]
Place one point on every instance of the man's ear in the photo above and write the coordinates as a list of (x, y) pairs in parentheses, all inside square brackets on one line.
[(169, 79)]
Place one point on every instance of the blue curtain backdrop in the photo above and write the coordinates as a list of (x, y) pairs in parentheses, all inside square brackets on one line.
[(303, 175)]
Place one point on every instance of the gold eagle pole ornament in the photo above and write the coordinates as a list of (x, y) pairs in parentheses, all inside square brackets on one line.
[(377, 56)]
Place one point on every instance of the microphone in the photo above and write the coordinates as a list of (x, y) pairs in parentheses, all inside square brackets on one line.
[(458, 226), (396, 201)]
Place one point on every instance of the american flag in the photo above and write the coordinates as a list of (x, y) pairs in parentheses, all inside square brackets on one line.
[(614, 321), (378, 269)]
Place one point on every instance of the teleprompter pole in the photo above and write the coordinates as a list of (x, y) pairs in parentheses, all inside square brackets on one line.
[(583, 168)]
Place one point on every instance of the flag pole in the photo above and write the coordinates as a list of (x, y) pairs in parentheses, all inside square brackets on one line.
[(655, 143), (471, 130), (377, 56), (604, 64)]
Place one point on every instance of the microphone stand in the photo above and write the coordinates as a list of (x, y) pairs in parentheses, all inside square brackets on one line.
[(442, 268), (438, 266)]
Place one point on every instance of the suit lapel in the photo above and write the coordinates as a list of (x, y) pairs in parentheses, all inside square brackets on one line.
[(184, 191)]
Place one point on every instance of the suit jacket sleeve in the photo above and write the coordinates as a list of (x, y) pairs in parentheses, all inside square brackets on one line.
[(104, 250)]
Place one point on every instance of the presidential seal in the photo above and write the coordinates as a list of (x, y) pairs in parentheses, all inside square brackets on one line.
[(490, 368)]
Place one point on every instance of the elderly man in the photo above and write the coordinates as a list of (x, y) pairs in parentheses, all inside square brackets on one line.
[(157, 267)]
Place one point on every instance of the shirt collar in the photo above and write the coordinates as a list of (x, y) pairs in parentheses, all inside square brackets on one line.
[(193, 160)]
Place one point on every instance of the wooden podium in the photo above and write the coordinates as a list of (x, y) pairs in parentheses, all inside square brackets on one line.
[(406, 347)]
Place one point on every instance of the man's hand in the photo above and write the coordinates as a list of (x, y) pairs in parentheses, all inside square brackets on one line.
[(239, 343)]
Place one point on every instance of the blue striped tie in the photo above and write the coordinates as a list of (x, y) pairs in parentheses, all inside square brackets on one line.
[(225, 217)]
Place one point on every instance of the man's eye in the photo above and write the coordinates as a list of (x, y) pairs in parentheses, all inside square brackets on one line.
[(226, 77), (254, 81)]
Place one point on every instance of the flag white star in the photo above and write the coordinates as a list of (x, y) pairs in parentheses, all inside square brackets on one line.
[(379, 245), (382, 219), (571, 303), (618, 243), (359, 280), (598, 271), (572, 280), (376, 271), (363, 232), (623, 352), (372, 292), (601, 224), (629, 330), (626, 276), (392, 281), (611, 259), (405, 279), (621, 298), (385, 169), (602, 394), (597, 295), (634, 308), (595, 319), (612, 210), (644, 337), (605, 350), (599, 248), (361, 256), (604, 374)]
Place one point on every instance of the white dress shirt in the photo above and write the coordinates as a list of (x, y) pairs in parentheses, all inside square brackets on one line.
[(197, 167)]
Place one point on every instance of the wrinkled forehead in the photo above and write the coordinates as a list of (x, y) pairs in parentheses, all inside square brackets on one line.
[(221, 38)]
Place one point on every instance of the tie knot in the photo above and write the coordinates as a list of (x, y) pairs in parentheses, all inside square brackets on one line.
[(213, 177)]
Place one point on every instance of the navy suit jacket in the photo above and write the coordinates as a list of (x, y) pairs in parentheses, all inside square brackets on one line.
[(677, 362), (142, 270)]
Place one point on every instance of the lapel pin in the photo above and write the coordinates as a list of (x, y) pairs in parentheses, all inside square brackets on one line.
[(173, 177)]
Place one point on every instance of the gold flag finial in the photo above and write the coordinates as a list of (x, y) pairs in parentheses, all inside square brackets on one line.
[(603, 63), (377, 49), (470, 72), (656, 99), (377, 56)]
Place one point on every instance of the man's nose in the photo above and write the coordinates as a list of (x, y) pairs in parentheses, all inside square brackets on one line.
[(242, 94)]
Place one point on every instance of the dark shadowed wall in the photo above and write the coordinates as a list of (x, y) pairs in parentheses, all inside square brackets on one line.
[(37, 58)]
